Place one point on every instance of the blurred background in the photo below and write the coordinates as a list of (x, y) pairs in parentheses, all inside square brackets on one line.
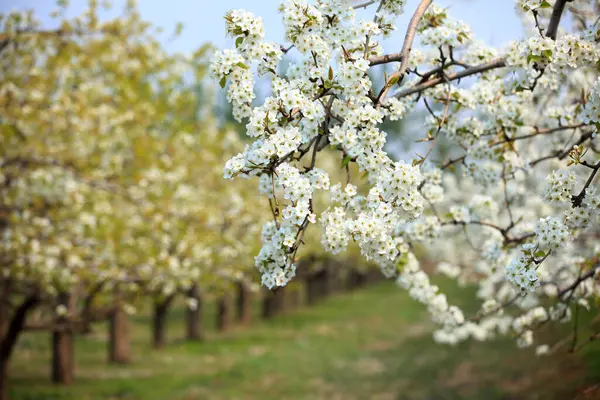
[(138, 256), (494, 22)]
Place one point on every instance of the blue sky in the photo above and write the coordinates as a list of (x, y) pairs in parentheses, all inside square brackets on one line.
[(493, 21)]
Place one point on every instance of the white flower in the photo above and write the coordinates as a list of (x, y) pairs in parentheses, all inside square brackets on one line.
[(542, 350), (61, 310), (192, 303)]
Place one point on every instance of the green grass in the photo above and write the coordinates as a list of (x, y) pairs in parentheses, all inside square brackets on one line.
[(374, 343)]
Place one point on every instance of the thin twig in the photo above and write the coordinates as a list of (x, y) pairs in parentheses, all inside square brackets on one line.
[(406, 48), (365, 4), (578, 281), (499, 63), (577, 200)]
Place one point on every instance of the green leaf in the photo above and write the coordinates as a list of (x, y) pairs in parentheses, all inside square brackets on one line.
[(547, 53), (533, 58), (346, 161), (242, 65), (545, 4), (539, 254), (394, 80), (223, 82), (239, 41), (330, 73), (178, 28), (402, 261)]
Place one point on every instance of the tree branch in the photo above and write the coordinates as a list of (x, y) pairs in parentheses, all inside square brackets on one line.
[(578, 281), (499, 63), (406, 48), (577, 200), (562, 154), (386, 58), (539, 131), (452, 161), (557, 12), (365, 4), (17, 323)]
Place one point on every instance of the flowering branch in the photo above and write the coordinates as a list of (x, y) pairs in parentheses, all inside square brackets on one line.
[(499, 63), (521, 98), (404, 57)]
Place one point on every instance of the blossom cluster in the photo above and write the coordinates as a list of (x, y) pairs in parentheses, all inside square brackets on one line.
[(513, 210)]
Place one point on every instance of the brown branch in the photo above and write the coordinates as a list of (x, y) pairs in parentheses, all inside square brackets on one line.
[(452, 161), (406, 48), (77, 325), (537, 23), (441, 68), (577, 200), (285, 50), (17, 323), (441, 123), (503, 231), (386, 58), (365, 4), (561, 154), (87, 303), (538, 132), (499, 63), (578, 281), (592, 337), (557, 12), (498, 308)]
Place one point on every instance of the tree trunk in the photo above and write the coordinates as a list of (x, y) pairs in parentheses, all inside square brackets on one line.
[(3, 379), (268, 306), (356, 279), (293, 297), (119, 348), (337, 284), (62, 357), (193, 317), (325, 281), (63, 362), (86, 312), (225, 312), (3, 307), (159, 322), (9, 340), (374, 276), (244, 304), (311, 291), (317, 286), (273, 302)]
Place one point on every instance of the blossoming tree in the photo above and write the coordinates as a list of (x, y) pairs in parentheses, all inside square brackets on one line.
[(514, 210), (111, 188)]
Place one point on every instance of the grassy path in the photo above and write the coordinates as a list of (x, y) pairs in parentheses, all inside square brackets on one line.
[(370, 344)]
